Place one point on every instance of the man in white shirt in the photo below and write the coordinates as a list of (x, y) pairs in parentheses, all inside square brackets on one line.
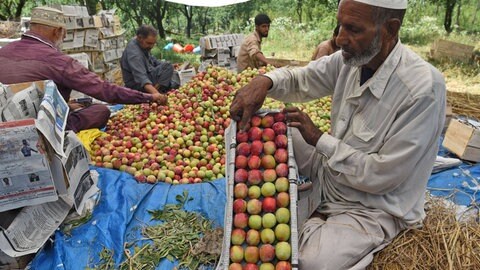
[(370, 175)]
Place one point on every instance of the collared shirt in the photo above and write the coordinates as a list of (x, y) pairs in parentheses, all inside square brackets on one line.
[(137, 64), (251, 45), (385, 132), (33, 58)]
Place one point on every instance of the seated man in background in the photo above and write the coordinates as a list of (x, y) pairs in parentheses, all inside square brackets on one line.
[(140, 69), (327, 47), (37, 56), (250, 54)]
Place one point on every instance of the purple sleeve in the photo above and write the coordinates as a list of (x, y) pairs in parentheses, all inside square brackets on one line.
[(76, 76)]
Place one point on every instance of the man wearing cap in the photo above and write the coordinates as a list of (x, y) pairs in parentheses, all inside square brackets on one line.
[(140, 69), (369, 175), (250, 53), (37, 56)]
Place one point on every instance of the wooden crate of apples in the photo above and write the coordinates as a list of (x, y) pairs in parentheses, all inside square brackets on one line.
[(261, 229)]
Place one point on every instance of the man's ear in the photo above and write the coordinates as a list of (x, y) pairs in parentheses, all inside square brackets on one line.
[(393, 27)]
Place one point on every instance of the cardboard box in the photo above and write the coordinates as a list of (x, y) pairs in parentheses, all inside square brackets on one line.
[(463, 140), (442, 49), (186, 75), (287, 62)]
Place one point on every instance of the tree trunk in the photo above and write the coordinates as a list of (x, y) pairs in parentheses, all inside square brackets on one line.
[(459, 11), (299, 10), (474, 20), (447, 23), (18, 12)]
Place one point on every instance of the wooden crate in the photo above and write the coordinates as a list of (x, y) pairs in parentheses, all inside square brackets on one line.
[(445, 49), (463, 140), (286, 62)]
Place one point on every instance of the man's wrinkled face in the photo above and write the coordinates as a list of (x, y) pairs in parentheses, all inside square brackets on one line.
[(262, 29), (359, 37), (147, 43)]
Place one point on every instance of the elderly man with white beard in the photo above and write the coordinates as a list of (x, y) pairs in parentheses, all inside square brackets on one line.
[(370, 174)]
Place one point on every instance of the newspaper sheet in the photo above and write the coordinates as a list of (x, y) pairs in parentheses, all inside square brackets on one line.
[(32, 228), (24, 169), (52, 117), (81, 185), (21, 105)]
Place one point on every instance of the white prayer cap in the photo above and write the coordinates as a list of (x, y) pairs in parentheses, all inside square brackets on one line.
[(392, 4)]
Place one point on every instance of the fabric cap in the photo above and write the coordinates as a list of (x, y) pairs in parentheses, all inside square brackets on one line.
[(47, 16), (261, 19), (392, 4)]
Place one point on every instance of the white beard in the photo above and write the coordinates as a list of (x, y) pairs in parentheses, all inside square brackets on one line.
[(366, 56)]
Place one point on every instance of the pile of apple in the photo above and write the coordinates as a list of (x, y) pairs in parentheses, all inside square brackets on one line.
[(179, 143), (183, 141), (260, 237)]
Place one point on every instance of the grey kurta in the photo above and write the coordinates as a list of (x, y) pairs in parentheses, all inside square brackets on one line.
[(383, 144)]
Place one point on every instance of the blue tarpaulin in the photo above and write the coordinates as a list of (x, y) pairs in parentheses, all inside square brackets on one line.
[(124, 205), (121, 211)]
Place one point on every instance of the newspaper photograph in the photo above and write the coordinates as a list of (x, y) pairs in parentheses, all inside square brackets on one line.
[(24, 169), (32, 227), (52, 117), (21, 105)]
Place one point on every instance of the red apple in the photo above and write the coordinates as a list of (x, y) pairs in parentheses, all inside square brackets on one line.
[(282, 170), (269, 175), (235, 266), (240, 220), (281, 141), (256, 148), (268, 134), (254, 177), (251, 254), (256, 121), (281, 155), (254, 206), (239, 206), (266, 253), (283, 199), (250, 266), (243, 149), (240, 191), (240, 176), (279, 128), (269, 204), (241, 162), (242, 136), (268, 162), (254, 162), (253, 237), (283, 265), (254, 133), (279, 117), (267, 121)]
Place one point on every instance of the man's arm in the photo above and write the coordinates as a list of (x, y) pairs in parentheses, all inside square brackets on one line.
[(261, 59)]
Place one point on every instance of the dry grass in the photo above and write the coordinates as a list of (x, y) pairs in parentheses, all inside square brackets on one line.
[(464, 103), (442, 243)]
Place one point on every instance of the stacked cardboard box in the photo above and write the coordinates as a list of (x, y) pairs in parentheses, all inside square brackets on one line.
[(100, 37), (221, 50)]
